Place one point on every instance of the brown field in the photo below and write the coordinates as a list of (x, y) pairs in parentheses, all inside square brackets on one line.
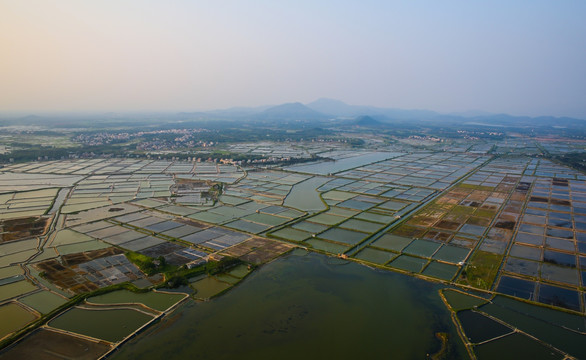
[(16, 229), (45, 344)]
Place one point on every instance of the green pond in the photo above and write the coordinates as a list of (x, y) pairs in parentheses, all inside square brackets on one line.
[(239, 271), (208, 287), (15, 289), (10, 271), (111, 325), (81, 247), (460, 301), (306, 306), (13, 318), (43, 301), (66, 237)]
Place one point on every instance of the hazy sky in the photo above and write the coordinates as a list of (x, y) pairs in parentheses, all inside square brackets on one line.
[(518, 57)]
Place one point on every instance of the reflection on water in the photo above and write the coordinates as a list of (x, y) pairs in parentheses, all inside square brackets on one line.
[(305, 306)]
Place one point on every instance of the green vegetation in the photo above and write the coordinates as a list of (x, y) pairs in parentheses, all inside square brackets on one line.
[(485, 213), (175, 276), (149, 265), (32, 153), (576, 160), (179, 276), (226, 263), (476, 187), (482, 270), (459, 209), (444, 350)]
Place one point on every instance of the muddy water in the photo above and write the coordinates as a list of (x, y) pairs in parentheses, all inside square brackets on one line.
[(306, 306)]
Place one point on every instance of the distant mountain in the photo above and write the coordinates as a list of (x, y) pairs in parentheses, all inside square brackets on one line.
[(291, 111), (368, 122), (525, 121), (238, 111), (341, 109), (327, 111), (475, 117), (196, 115), (337, 107), (471, 113), (30, 119)]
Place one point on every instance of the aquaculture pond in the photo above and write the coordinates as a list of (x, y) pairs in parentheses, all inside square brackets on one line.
[(304, 196), (45, 344), (330, 167), (43, 301), (156, 300), (111, 325), (307, 305), (13, 318), (511, 329)]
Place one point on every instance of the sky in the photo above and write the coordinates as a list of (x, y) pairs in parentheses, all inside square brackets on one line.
[(517, 57)]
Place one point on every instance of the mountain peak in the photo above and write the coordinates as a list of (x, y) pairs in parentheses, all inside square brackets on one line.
[(332, 106), (295, 110), (326, 101), (367, 121)]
